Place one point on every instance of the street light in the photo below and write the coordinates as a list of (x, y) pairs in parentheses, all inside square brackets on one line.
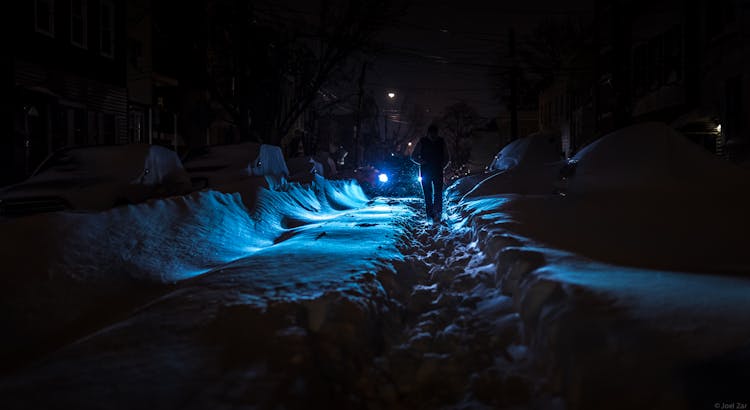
[(391, 95)]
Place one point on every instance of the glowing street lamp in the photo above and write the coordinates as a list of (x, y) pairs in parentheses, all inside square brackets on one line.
[(391, 95)]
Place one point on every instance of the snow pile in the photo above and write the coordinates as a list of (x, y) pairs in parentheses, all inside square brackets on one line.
[(64, 267), (635, 294), (653, 332), (652, 157), (260, 330)]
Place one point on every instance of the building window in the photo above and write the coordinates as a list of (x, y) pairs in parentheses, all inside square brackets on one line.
[(107, 29), (79, 23), (44, 17), (720, 17)]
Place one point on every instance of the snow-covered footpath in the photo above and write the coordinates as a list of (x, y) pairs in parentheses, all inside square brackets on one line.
[(668, 331), (322, 298), (194, 302)]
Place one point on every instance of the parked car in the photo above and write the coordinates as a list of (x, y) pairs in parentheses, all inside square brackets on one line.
[(304, 169), (96, 178), (649, 157), (528, 165), (237, 168)]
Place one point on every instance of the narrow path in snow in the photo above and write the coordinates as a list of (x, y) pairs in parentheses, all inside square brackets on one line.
[(460, 345)]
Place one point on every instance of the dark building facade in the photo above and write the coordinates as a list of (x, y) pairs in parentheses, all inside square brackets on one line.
[(67, 80), (683, 62)]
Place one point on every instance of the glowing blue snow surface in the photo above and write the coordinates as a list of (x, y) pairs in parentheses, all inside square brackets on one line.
[(170, 240), (326, 240)]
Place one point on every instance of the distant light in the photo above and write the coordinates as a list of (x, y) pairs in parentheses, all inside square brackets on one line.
[(718, 128), (419, 178), (409, 144), (393, 155), (391, 95), (383, 178)]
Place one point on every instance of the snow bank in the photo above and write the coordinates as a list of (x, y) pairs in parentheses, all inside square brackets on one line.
[(616, 336), (633, 289), (60, 268), (652, 157)]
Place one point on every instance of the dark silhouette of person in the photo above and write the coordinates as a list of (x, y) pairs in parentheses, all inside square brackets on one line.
[(431, 153)]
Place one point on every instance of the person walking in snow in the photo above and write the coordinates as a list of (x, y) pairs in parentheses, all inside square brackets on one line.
[(431, 153)]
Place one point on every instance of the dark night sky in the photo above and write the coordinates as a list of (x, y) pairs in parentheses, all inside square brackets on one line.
[(441, 51)]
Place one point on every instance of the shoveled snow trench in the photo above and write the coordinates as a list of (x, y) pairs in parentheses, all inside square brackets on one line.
[(325, 299)]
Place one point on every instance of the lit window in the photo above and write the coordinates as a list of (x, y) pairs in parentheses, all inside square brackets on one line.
[(44, 17), (78, 23), (107, 29)]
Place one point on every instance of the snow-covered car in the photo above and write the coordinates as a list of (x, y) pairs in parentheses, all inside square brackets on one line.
[(304, 169), (241, 168), (528, 165), (96, 178), (649, 157)]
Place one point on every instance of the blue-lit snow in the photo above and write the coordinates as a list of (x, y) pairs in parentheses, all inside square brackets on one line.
[(306, 251), (299, 243), (635, 288)]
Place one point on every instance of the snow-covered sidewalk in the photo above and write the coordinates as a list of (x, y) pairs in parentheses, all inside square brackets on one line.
[(610, 336), (323, 298), (282, 306)]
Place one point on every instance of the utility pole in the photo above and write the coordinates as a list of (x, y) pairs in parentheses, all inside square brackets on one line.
[(513, 86), (358, 123)]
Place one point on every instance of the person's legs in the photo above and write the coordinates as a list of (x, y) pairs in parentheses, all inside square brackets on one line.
[(428, 192), (437, 202)]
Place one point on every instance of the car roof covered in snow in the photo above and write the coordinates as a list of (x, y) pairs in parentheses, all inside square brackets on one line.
[(122, 162), (128, 164), (534, 150), (229, 162)]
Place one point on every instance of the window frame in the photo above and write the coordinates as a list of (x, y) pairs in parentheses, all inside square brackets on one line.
[(84, 25), (50, 18), (111, 17)]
